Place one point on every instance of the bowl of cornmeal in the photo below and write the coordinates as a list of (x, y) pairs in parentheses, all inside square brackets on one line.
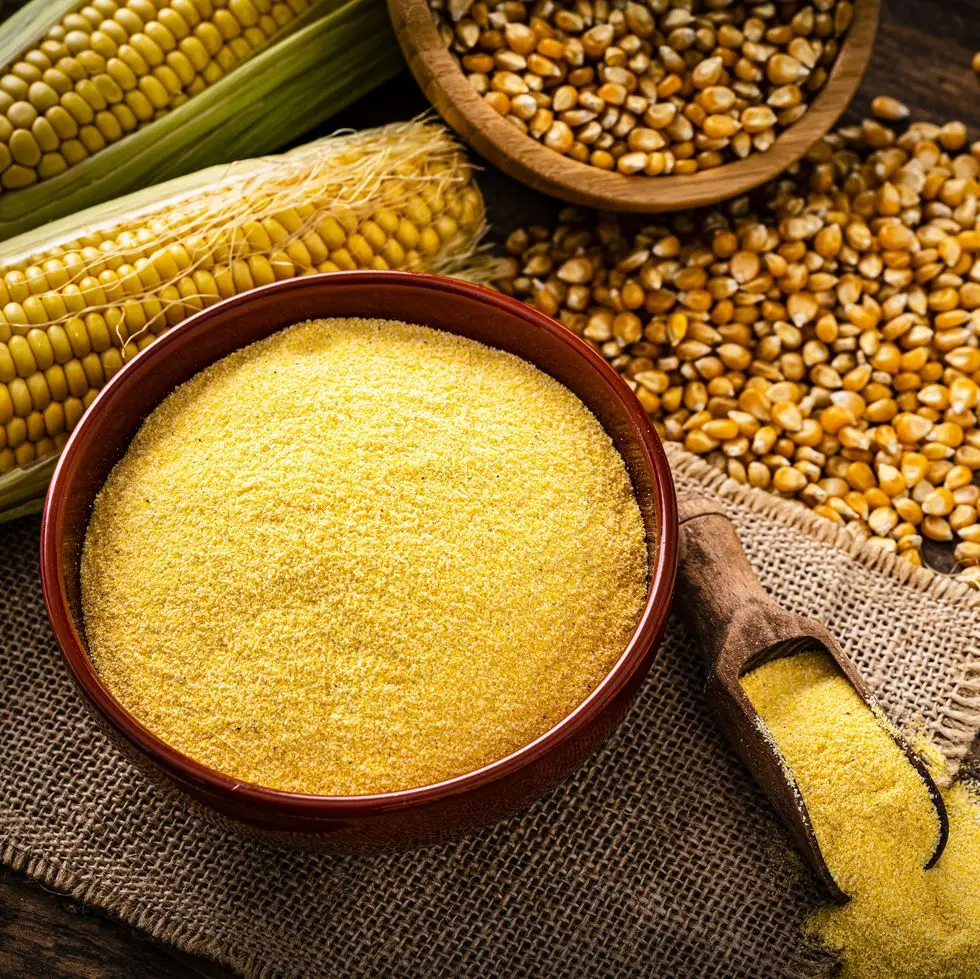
[(366, 558)]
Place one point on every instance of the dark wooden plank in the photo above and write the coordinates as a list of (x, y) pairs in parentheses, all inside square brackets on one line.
[(45, 934), (922, 57)]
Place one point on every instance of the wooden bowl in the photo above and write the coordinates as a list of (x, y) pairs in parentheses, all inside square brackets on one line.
[(441, 78), (417, 816)]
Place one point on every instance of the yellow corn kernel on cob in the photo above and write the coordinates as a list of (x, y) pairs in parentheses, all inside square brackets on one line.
[(80, 297), (108, 68), (104, 97)]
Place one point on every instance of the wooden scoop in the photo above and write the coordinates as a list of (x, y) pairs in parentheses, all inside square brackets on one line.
[(738, 627)]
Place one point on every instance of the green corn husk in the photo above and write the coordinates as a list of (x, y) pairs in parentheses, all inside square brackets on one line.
[(334, 53)]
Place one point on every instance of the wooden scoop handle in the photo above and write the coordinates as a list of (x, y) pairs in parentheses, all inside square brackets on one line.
[(735, 622), (718, 594)]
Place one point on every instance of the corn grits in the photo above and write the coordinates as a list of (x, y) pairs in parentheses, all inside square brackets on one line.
[(361, 556)]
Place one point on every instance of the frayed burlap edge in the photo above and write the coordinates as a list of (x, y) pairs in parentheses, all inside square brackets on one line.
[(128, 912), (956, 729)]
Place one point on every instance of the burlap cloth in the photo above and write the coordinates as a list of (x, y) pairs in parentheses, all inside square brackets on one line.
[(659, 858)]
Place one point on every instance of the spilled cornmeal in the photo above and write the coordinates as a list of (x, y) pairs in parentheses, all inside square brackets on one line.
[(361, 556), (876, 826)]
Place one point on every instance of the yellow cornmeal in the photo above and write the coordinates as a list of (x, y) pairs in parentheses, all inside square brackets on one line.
[(876, 826), (854, 778), (361, 556)]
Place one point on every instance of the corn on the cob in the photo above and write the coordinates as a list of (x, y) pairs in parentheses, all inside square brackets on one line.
[(119, 93), (82, 296), (107, 68)]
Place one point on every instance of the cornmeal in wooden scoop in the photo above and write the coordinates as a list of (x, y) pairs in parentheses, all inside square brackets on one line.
[(876, 826)]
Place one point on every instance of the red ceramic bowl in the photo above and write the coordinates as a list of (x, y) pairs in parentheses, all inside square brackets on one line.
[(415, 816)]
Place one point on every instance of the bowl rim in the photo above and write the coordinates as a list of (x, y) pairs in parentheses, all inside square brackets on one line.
[(299, 805), (441, 78)]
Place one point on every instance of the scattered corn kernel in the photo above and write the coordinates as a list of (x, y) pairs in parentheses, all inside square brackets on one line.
[(835, 309)]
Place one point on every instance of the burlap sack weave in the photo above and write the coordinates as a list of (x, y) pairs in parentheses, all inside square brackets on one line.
[(660, 858)]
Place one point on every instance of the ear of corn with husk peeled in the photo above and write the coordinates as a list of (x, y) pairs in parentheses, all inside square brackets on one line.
[(101, 98), (81, 296)]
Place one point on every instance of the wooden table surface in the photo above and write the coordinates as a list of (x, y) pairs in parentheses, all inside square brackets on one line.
[(922, 57)]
